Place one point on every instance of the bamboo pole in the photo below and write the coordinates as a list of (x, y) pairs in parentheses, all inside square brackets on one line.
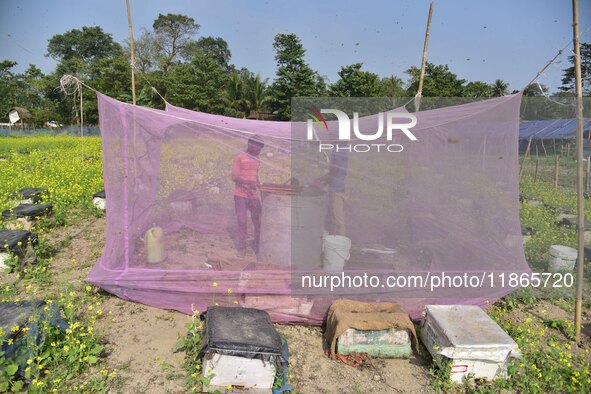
[(537, 169), (580, 200), (525, 156), (424, 60), (556, 166), (587, 174), (81, 115), (132, 50)]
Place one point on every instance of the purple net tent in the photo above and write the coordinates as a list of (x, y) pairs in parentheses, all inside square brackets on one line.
[(447, 203)]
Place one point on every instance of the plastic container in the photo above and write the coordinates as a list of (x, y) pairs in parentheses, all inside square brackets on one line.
[(291, 230), (562, 258), (337, 250), (155, 251)]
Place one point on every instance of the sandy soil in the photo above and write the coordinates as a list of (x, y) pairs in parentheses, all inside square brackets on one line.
[(140, 340)]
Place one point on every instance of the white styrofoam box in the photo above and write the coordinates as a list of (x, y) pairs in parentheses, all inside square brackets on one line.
[(3, 257), (100, 203), (238, 371), (466, 335)]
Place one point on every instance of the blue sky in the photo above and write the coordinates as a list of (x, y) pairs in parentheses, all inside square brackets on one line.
[(479, 40)]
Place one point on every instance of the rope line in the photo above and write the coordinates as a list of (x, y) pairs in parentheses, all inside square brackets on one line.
[(551, 61)]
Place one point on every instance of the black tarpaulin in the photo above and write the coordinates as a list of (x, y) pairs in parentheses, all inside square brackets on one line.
[(243, 332), (27, 211), (9, 240)]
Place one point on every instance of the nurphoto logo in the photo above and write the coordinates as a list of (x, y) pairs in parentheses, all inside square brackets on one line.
[(392, 120)]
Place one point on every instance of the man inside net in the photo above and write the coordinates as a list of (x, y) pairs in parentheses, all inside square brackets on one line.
[(247, 196)]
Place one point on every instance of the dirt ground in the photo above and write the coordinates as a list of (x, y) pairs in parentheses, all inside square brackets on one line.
[(140, 340)]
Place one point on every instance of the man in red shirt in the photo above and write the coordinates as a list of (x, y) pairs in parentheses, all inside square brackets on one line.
[(247, 196)]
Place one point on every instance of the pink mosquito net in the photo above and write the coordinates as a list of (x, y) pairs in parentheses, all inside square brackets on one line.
[(446, 205)]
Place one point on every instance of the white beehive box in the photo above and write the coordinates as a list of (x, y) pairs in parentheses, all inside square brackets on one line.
[(3, 257), (253, 375), (240, 347), (100, 203), (466, 335)]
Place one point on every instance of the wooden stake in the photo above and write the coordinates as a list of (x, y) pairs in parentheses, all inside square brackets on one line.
[(580, 197), (528, 147), (537, 168), (424, 61), (556, 166), (131, 47)]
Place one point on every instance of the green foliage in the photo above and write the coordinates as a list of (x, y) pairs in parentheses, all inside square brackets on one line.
[(439, 81), (209, 81), (212, 47), (88, 44), (70, 168), (256, 93), (172, 35), (477, 89), (533, 90), (393, 87), (568, 80), (294, 78), (356, 83), (548, 362), (52, 360), (499, 88), (191, 345)]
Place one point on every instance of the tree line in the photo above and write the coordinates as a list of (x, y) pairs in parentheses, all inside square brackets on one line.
[(196, 72)]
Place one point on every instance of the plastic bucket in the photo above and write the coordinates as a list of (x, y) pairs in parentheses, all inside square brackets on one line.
[(562, 258), (336, 251)]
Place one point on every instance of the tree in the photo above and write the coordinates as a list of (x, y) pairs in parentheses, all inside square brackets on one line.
[(199, 85), (356, 83), (438, 82), (294, 78), (256, 93), (236, 91), (533, 90), (499, 88), (172, 34), (568, 80), (145, 52), (213, 47), (87, 44), (8, 88), (477, 89), (393, 87)]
